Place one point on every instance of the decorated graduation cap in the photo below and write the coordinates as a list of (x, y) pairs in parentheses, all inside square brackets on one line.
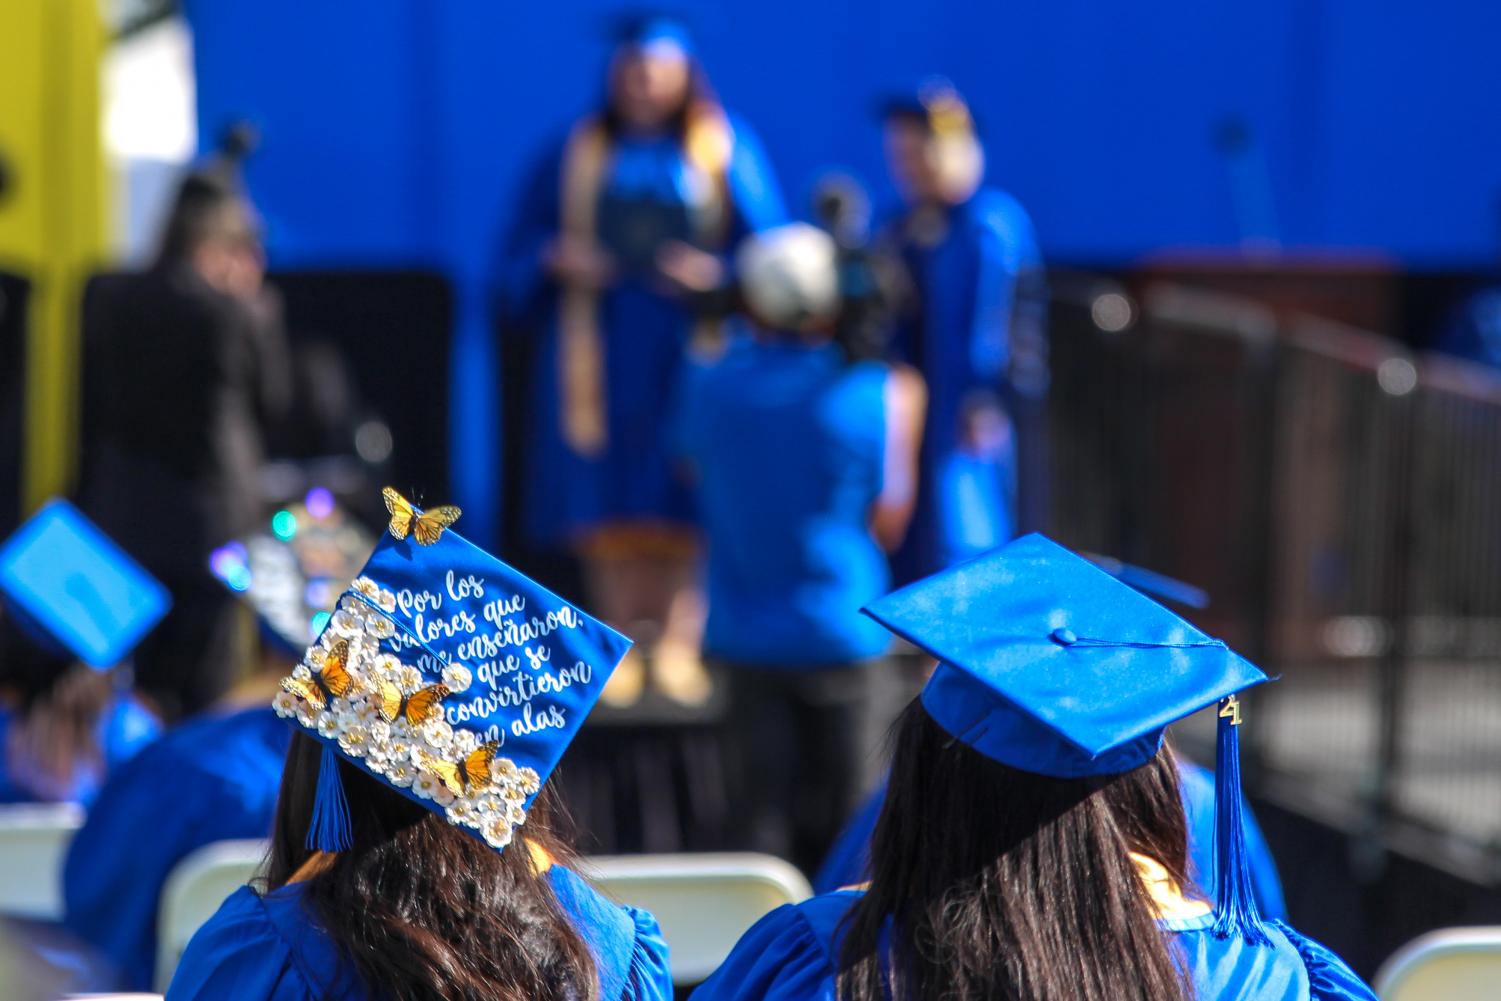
[(294, 568), (448, 675), (1050, 665), (73, 591)]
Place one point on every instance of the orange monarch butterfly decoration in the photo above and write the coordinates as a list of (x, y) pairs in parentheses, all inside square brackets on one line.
[(471, 773), (425, 527), (423, 705), (335, 675)]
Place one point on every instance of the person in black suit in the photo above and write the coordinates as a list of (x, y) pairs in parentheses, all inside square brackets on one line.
[(185, 365)]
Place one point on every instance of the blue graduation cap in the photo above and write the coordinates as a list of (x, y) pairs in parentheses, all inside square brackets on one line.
[(448, 675), (935, 103), (660, 31), (1050, 665), (69, 585)]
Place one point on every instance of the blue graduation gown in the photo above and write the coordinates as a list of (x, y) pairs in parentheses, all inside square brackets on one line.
[(792, 954), (643, 331), (213, 778), (125, 727), (959, 339), (847, 860), (266, 948)]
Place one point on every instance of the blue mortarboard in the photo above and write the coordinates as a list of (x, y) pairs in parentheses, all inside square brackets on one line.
[(655, 31), (70, 584), (449, 675), (1053, 666), (936, 103)]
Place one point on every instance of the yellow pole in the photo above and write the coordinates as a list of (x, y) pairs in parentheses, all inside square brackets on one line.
[(52, 222)]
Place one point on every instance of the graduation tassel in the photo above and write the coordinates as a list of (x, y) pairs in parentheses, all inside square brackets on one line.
[(1235, 905), (329, 830)]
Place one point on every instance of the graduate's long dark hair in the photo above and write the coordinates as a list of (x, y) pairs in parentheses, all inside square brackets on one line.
[(1003, 885), (424, 910)]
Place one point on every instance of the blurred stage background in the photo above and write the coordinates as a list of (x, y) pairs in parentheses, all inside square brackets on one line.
[(1255, 221)]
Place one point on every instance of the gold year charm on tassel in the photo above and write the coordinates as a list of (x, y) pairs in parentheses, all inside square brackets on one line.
[(1230, 709)]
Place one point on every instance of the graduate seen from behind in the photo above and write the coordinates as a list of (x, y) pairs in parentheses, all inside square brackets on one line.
[(1032, 846), (413, 854), (805, 464)]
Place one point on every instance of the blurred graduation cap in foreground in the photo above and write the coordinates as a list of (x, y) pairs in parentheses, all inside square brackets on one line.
[(71, 590)]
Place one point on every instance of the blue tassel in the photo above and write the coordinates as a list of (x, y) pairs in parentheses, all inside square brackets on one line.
[(330, 829), (1235, 905)]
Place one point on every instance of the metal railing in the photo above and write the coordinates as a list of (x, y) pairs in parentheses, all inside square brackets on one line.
[(1340, 500)]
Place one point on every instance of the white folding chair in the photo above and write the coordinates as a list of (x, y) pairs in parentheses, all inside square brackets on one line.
[(1456, 964), (33, 844), (703, 902), (194, 891)]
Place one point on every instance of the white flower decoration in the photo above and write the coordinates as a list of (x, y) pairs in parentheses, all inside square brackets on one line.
[(301, 673), (438, 733), (426, 784), (354, 742), (408, 679), (346, 624), (462, 813), (463, 742), (387, 601), (380, 732), (376, 760), (515, 815), (497, 832), (306, 714), (457, 678), (285, 704), (386, 666), (367, 588), (316, 658), (381, 627), (443, 796), (529, 780), (328, 725), (400, 773), (503, 771)]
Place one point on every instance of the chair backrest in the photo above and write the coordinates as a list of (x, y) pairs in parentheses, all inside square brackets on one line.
[(34, 841), (703, 902), (195, 889), (1456, 964)]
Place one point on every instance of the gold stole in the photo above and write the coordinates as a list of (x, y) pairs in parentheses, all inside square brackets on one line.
[(707, 145)]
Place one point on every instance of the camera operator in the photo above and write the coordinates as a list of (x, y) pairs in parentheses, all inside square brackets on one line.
[(805, 465)]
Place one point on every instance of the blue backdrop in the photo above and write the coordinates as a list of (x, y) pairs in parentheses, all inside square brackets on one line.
[(395, 132)]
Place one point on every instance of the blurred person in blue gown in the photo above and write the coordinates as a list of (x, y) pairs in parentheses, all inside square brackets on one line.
[(973, 325), (1035, 847), (73, 607), (805, 466), (213, 777), (616, 266)]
